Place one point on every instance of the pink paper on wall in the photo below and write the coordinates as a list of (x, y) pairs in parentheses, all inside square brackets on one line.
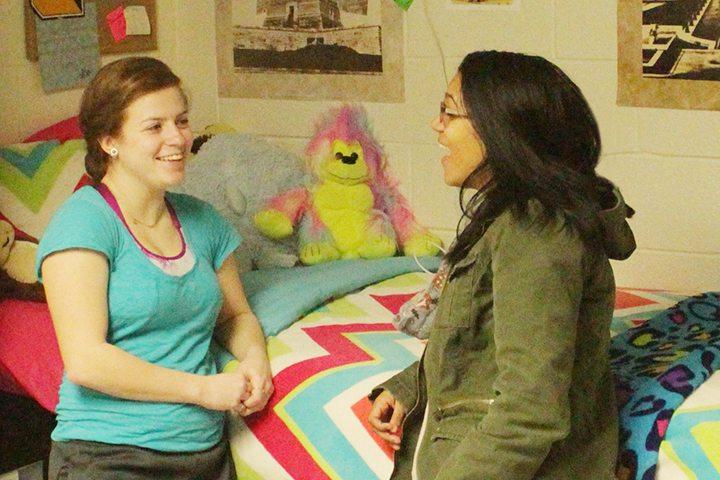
[(116, 22)]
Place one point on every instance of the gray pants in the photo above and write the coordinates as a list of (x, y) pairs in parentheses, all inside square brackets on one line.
[(83, 460)]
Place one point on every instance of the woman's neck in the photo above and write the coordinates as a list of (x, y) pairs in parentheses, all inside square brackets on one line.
[(139, 204)]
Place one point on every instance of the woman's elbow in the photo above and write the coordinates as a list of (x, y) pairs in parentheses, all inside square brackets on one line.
[(81, 369), (79, 374), (555, 428)]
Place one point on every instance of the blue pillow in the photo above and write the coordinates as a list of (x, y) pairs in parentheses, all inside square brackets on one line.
[(279, 296)]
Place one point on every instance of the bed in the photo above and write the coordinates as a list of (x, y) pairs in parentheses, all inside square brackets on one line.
[(325, 364), (330, 339)]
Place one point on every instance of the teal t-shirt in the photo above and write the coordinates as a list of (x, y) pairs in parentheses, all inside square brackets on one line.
[(163, 319)]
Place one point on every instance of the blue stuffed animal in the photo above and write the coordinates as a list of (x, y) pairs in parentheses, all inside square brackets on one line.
[(237, 174)]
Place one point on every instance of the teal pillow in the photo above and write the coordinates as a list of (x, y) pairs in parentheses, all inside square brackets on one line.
[(279, 296)]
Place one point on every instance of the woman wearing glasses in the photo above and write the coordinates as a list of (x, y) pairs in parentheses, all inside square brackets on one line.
[(515, 381)]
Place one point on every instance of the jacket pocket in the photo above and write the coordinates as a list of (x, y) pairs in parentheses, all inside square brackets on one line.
[(474, 408), (455, 428)]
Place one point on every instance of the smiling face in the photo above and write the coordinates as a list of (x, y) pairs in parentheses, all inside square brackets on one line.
[(465, 150), (154, 141)]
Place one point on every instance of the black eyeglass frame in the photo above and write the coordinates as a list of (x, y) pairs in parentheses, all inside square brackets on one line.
[(450, 116)]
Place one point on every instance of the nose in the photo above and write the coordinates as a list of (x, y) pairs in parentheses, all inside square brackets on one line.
[(437, 124), (175, 135), (347, 160)]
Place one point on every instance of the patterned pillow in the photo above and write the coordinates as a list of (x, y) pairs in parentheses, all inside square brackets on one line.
[(63, 131), (35, 178)]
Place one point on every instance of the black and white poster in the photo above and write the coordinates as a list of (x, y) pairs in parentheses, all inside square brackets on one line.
[(310, 49), (669, 53)]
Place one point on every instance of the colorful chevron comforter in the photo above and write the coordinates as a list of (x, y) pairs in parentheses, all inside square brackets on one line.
[(325, 364)]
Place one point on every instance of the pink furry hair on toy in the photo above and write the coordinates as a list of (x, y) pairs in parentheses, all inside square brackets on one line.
[(352, 208)]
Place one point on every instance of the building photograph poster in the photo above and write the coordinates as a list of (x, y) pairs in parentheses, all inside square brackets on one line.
[(311, 49), (669, 53)]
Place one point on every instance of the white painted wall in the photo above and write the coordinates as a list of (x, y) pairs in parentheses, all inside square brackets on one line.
[(666, 161)]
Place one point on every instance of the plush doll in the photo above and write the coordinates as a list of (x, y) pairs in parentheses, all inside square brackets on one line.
[(238, 173), (207, 133), (17, 267), (352, 208)]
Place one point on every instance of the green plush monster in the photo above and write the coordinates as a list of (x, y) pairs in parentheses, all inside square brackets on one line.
[(353, 209)]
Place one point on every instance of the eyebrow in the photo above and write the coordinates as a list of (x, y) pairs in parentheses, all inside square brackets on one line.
[(160, 119)]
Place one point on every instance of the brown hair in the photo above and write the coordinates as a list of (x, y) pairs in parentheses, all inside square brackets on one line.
[(107, 97)]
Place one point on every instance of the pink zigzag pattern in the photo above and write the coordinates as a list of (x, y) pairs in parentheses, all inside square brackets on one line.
[(270, 429)]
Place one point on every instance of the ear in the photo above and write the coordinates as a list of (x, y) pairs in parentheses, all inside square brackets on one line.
[(106, 143)]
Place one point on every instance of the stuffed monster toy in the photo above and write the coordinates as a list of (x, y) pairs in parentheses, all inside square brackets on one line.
[(353, 208), (237, 174)]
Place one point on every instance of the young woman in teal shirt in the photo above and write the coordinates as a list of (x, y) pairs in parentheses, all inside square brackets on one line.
[(138, 281)]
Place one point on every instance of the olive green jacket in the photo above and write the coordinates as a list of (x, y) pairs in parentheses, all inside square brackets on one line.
[(516, 373)]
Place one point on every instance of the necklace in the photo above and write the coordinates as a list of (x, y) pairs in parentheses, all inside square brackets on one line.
[(135, 221), (147, 225)]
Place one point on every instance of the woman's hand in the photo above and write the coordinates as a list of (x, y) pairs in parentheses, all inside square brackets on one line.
[(386, 417), (259, 380), (239, 331), (223, 391)]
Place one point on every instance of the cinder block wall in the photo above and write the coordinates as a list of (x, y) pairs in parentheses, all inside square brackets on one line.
[(666, 161)]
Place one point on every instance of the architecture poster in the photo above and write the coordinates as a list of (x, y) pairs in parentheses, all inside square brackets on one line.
[(310, 49), (669, 53)]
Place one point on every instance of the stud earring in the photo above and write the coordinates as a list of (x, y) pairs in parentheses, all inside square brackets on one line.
[(113, 152)]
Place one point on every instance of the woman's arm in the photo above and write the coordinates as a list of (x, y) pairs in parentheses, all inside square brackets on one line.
[(76, 288), (239, 331), (391, 402)]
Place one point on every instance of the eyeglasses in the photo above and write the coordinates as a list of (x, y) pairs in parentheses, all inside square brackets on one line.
[(447, 115)]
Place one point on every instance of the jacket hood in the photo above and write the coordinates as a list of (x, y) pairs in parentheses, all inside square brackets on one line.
[(618, 241)]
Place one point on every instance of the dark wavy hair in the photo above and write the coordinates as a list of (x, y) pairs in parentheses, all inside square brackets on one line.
[(542, 143), (107, 97)]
